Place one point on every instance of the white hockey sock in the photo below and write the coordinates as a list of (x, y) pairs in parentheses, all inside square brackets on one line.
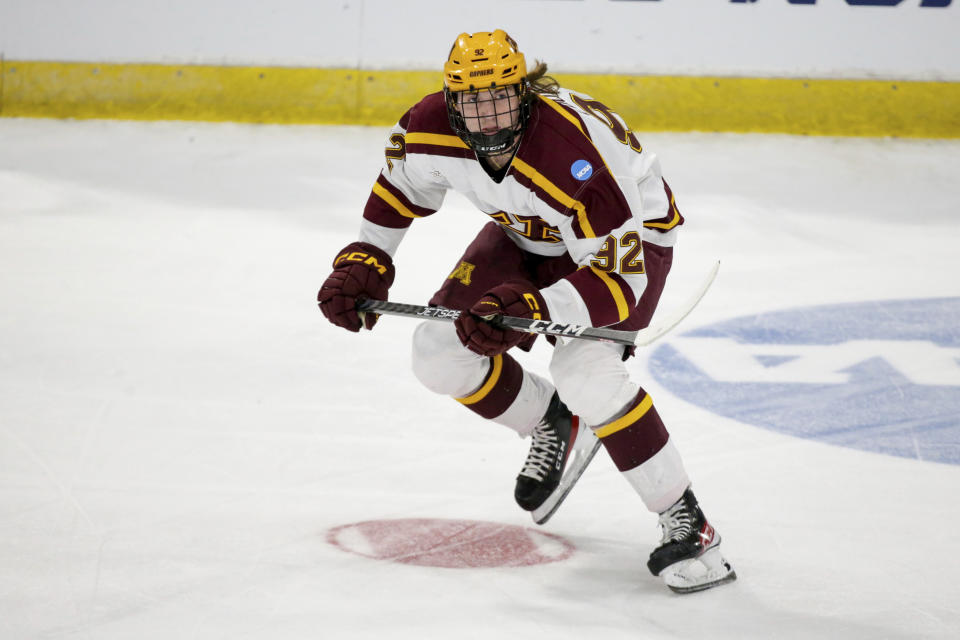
[(661, 480), (530, 405)]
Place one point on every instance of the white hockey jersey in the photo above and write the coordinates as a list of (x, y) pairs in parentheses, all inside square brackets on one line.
[(580, 183)]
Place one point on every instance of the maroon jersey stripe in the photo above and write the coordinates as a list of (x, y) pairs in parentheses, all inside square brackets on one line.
[(624, 288), (389, 207), (541, 190), (417, 211), (429, 116), (595, 201), (440, 150), (673, 217), (606, 206), (405, 119), (566, 112), (379, 212), (606, 295), (428, 130)]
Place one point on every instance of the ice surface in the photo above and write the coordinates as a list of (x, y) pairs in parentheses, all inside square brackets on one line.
[(180, 429)]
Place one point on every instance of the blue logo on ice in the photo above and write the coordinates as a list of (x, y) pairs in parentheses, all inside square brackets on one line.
[(877, 376), (581, 170)]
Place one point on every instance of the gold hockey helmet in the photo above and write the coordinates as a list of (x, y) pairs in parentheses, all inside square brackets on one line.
[(483, 60), (484, 63)]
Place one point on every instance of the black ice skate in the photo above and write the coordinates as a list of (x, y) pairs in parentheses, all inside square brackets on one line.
[(688, 558), (562, 448)]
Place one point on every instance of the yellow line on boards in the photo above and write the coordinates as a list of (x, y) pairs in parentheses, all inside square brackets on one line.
[(282, 95), (303, 95), (781, 105)]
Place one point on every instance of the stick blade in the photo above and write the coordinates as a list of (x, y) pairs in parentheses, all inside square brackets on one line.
[(655, 332)]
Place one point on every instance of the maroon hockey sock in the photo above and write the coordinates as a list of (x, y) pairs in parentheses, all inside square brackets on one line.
[(636, 436), (499, 389)]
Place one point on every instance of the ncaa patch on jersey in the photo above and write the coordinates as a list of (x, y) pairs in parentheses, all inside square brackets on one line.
[(877, 376), (581, 170)]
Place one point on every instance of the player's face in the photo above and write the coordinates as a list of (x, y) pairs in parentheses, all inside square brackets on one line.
[(489, 110)]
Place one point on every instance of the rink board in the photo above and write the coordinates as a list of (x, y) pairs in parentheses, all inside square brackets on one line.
[(303, 95)]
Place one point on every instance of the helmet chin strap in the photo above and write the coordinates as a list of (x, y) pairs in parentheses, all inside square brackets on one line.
[(495, 144)]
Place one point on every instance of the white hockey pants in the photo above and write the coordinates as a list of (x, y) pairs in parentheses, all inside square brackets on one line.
[(590, 377)]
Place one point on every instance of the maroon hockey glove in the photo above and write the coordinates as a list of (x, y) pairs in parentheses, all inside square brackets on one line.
[(513, 298), (360, 271)]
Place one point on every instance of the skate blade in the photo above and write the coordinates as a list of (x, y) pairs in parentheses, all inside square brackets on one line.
[(580, 459), (704, 572)]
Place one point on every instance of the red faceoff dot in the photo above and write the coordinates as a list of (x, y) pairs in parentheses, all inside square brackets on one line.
[(454, 544)]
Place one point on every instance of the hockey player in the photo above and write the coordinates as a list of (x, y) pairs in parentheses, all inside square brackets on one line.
[(581, 230)]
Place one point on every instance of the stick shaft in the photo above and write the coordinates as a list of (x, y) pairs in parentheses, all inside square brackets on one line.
[(641, 338), (544, 327)]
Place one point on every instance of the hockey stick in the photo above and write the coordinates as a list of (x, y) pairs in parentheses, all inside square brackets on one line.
[(566, 330)]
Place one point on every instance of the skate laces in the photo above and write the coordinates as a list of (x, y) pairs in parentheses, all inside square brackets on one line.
[(677, 522), (543, 450)]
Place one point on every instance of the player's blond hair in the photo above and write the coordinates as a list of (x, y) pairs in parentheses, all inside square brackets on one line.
[(540, 82)]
